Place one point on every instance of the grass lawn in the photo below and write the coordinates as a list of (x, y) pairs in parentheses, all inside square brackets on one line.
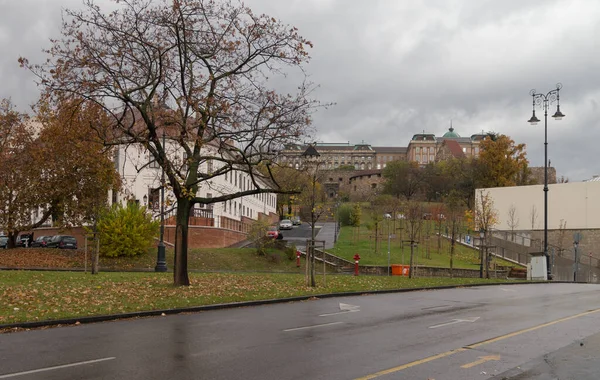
[(209, 259), (39, 296), (427, 253)]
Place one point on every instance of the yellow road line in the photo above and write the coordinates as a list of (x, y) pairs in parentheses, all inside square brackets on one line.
[(482, 359), (471, 346), (411, 364)]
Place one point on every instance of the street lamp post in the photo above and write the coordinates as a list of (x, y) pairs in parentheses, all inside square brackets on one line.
[(481, 239), (544, 100), (161, 261)]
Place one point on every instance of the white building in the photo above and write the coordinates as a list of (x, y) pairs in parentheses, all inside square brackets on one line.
[(141, 181)]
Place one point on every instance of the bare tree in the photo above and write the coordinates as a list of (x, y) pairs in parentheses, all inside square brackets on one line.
[(414, 224), (513, 220), (455, 218), (533, 215), (201, 72), (561, 236), (486, 217)]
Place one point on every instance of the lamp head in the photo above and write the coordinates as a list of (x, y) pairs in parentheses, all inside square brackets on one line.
[(558, 115), (534, 120)]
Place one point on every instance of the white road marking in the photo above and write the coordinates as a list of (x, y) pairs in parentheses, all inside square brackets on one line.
[(7, 376), (454, 321), (508, 290), (313, 326), (344, 308)]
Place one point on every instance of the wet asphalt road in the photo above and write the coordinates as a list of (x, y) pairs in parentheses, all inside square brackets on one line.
[(453, 334)]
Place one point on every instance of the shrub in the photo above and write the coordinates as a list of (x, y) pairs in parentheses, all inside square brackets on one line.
[(126, 231), (290, 252), (343, 214)]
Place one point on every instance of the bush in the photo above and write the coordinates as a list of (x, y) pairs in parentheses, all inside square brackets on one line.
[(344, 213), (126, 231), (290, 252)]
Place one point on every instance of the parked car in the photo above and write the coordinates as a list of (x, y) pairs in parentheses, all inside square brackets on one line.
[(41, 241), (274, 233), (296, 221), (24, 240), (62, 241), (3, 241), (285, 224)]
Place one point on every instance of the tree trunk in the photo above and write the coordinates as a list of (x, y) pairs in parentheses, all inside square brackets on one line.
[(180, 272), (412, 252), (96, 254), (312, 250), (452, 257)]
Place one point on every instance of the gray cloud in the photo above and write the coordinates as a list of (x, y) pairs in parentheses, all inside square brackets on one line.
[(396, 68)]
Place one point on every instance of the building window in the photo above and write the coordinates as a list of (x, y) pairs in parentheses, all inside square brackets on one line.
[(154, 199), (209, 205), (152, 163), (464, 150), (431, 157)]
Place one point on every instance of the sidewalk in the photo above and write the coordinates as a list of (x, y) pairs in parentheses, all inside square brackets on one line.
[(327, 233), (577, 361)]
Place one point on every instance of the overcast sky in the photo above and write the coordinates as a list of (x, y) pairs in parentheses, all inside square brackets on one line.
[(399, 67)]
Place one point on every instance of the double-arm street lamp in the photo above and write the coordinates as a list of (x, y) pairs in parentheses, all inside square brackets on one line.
[(544, 100)]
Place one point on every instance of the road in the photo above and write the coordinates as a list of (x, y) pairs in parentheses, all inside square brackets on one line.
[(451, 334)]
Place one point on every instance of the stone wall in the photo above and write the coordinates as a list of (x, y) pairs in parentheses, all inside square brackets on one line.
[(537, 175), (363, 187), (206, 237)]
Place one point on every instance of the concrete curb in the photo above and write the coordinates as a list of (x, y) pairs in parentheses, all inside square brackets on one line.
[(140, 314)]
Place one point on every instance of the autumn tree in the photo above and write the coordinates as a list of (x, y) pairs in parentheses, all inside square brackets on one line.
[(462, 175), (202, 73), (402, 178), (19, 174), (77, 169), (503, 162)]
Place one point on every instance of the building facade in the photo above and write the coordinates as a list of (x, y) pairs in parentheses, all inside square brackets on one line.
[(422, 148), (141, 182)]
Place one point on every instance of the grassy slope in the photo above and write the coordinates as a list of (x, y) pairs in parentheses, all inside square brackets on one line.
[(35, 296)]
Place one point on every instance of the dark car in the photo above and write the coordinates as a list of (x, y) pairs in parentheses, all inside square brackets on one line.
[(24, 240), (62, 241), (41, 241), (3, 241)]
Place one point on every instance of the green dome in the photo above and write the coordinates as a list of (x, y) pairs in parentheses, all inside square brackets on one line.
[(451, 133)]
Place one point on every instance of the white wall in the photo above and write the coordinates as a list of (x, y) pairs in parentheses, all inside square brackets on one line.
[(137, 183), (578, 204)]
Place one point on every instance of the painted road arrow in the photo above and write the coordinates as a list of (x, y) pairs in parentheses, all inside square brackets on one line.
[(344, 308), (482, 359), (455, 321)]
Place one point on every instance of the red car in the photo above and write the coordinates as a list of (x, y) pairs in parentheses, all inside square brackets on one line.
[(273, 232)]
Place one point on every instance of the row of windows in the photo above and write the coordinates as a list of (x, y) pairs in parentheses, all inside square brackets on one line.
[(332, 158), (244, 183), (235, 208)]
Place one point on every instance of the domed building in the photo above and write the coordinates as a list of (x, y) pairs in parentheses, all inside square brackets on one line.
[(451, 134), (424, 147)]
